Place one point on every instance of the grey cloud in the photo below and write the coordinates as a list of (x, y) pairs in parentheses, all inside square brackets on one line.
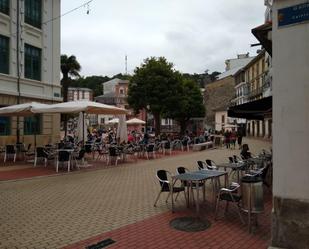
[(194, 35)]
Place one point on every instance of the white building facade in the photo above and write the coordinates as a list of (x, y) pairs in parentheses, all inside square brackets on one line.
[(290, 36), (29, 66)]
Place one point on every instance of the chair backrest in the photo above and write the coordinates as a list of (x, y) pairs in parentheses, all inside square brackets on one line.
[(10, 149), (167, 145), (112, 151), (29, 147), (88, 148), (181, 170), (40, 152), (81, 154), (63, 156), (60, 145), (184, 142), (163, 180), (236, 159), (210, 164), (150, 147), (201, 165), (20, 147)]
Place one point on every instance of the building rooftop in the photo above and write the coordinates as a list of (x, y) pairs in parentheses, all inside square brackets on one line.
[(79, 89)]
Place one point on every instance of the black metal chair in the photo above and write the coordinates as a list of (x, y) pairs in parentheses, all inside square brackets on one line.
[(201, 165), (10, 151), (167, 147), (40, 153), (185, 144), (28, 152), (229, 195), (113, 154), (150, 150), (182, 170), (165, 185), (63, 157), (211, 165)]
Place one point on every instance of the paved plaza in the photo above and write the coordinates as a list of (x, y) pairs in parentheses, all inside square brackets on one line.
[(71, 210)]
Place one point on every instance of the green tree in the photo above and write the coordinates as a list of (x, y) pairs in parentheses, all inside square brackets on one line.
[(152, 86), (187, 104), (70, 68)]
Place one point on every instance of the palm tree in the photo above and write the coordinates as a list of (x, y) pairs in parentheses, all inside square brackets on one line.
[(70, 67)]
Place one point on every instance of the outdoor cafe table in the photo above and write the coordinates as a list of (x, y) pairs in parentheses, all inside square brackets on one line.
[(234, 166), (196, 177)]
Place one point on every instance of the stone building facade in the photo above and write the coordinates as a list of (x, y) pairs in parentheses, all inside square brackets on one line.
[(218, 96)]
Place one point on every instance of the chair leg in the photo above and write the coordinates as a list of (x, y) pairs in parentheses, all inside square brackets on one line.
[(35, 161), (238, 211), (14, 157), (155, 204), (217, 206), (176, 196), (45, 162), (168, 196), (69, 166), (4, 158), (226, 207), (57, 165)]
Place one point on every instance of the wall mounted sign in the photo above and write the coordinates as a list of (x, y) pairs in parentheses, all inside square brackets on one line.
[(293, 15)]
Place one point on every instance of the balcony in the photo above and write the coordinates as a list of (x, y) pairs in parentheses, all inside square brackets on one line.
[(267, 84), (255, 93)]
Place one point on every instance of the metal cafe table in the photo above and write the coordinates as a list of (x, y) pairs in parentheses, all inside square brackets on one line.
[(234, 166), (195, 177)]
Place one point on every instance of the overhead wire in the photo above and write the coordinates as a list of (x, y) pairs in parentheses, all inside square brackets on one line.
[(60, 16)]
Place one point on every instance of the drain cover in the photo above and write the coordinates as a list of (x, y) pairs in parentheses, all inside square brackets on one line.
[(101, 244), (190, 224)]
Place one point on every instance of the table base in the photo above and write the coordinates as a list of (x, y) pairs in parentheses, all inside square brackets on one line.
[(190, 224)]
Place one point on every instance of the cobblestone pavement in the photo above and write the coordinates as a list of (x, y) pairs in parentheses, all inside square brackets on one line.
[(52, 212)]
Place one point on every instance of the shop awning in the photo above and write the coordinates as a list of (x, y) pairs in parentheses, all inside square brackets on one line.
[(262, 33), (257, 110)]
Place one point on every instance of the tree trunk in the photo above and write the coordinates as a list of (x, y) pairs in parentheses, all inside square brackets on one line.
[(157, 120), (183, 126)]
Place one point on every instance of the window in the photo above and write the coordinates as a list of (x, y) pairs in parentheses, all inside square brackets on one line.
[(5, 126), (32, 62), (32, 125), (33, 13), (5, 6), (4, 54)]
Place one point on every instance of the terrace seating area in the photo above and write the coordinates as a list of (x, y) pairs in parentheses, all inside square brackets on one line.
[(89, 196), (69, 154), (246, 186)]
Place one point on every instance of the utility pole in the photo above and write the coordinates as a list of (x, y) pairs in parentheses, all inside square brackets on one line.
[(126, 64)]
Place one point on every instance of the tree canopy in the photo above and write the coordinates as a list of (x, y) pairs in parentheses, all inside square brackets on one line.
[(152, 86), (70, 68), (157, 87), (188, 103)]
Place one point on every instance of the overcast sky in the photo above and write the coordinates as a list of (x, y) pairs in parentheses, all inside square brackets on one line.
[(193, 34)]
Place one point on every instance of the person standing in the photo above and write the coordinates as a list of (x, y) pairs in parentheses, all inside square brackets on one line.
[(239, 137), (227, 139), (233, 137)]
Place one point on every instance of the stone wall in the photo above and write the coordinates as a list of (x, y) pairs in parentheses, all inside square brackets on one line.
[(217, 96)]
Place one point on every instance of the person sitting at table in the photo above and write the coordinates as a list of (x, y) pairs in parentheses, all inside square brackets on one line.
[(245, 153)]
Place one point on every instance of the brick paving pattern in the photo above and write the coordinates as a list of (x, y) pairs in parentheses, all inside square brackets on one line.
[(58, 211)]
